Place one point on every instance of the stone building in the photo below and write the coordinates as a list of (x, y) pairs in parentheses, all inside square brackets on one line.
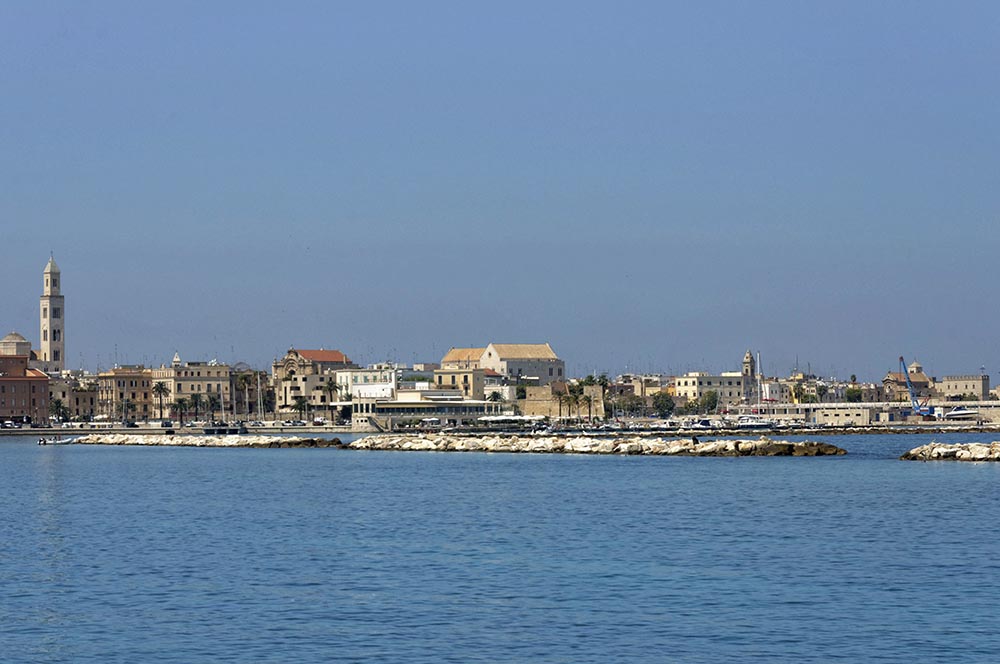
[(124, 393), (186, 379), (305, 373), (462, 358), (975, 387), (531, 363)]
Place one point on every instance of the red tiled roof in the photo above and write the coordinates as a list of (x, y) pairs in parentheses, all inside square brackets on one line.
[(334, 356), (491, 372)]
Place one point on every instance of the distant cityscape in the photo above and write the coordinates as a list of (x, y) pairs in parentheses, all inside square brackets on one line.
[(494, 382)]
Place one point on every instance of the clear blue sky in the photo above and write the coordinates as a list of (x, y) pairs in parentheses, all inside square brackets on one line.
[(650, 185)]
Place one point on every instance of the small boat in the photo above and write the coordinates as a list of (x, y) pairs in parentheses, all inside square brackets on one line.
[(57, 441)]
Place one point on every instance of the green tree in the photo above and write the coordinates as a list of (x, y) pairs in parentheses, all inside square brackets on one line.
[(852, 395), (821, 391), (197, 401), (160, 391), (854, 379), (301, 405), (59, 410), (588, 401), (709, 401), (663, 404), (214, 404), (243, 382), (331, 388), (180, 407)]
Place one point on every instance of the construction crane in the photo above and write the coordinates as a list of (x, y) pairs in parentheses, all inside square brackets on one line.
[(918, 408)]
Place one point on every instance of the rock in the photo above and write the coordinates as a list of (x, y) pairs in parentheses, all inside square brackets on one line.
[(959, 452)]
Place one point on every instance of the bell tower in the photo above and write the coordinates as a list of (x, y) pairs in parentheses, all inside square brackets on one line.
[(52, 320)]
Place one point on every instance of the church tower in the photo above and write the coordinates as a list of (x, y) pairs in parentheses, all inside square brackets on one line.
[(749, 365), (52, 320)]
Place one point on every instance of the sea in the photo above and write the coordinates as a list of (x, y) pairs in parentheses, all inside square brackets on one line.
[(149, 554)]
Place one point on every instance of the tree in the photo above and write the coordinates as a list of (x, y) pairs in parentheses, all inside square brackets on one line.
[(214, 404), (180, 406), (852, 395), (854, 379), (243, 382), (196, 401), (821, 391), (59, 410), (161, 391), (663, 404), (301, 405), (709, 401), (331, 388), (588, 401)]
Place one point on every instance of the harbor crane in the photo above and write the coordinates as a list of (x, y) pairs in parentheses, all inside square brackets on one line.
[(918, 408)]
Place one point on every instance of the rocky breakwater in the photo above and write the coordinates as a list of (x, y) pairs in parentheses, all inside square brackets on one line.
[(593, 445), (954, 452), (204, 441)]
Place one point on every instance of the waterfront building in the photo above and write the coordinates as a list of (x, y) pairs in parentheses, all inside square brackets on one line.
[(124, 393), (15, 344), (974, 387), (184, 380), (419, 408), (78, 395), (375, 381), (462, 358), (24, 392), (535, 364), (52, 321), (471, 382), (729, 386), (306, 373)]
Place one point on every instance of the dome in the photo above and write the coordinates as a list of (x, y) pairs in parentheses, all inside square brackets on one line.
[(51, 266), (13, 337)]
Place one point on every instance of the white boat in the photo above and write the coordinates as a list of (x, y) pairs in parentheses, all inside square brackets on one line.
[(755, 422), (57, 441), (961, 413)]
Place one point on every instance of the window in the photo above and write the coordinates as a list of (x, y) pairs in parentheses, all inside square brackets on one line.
[(45, 335), (56, 312)]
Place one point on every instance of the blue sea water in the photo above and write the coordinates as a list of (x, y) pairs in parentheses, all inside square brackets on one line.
[(130, 554)]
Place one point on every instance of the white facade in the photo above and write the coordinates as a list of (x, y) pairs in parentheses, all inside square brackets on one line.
[(52, 321)]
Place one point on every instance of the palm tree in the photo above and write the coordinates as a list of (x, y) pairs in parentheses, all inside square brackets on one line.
[(196, 403), (160, 391), (180, 406), (571, 401), (59, 409), (331, 388), (214, 403), (243, 383), (589, 401), (301, 405)]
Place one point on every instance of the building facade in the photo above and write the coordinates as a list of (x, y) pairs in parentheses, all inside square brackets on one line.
[(24, 392), (537, 364), (185, 380), (124, 393)]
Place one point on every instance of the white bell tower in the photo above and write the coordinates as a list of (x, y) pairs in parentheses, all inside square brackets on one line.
[(52, 320)]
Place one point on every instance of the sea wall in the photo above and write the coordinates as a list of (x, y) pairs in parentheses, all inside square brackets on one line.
[(954, 452), (204, 441), (593, 445)]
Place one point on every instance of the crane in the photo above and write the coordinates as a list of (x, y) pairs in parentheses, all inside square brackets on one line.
[(918, 408)]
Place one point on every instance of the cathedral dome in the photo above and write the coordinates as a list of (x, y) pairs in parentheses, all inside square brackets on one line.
[(13, 337)]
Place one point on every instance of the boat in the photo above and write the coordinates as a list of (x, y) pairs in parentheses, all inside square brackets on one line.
[(57, 441), (755, 422), (961, 413)]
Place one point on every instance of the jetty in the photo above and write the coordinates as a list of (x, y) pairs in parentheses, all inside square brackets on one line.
[(954, 452), (233, 440), (632, 445)]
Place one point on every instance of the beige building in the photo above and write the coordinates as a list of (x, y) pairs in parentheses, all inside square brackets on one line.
[(545, 401), (78, 396), (954, 387), (729, 386), (530, 363), (125, 393), (24, 392), (471, 382), (186, 379), (307, 373)]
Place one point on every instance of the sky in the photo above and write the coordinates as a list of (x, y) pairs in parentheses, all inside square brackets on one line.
[(647, 186)]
